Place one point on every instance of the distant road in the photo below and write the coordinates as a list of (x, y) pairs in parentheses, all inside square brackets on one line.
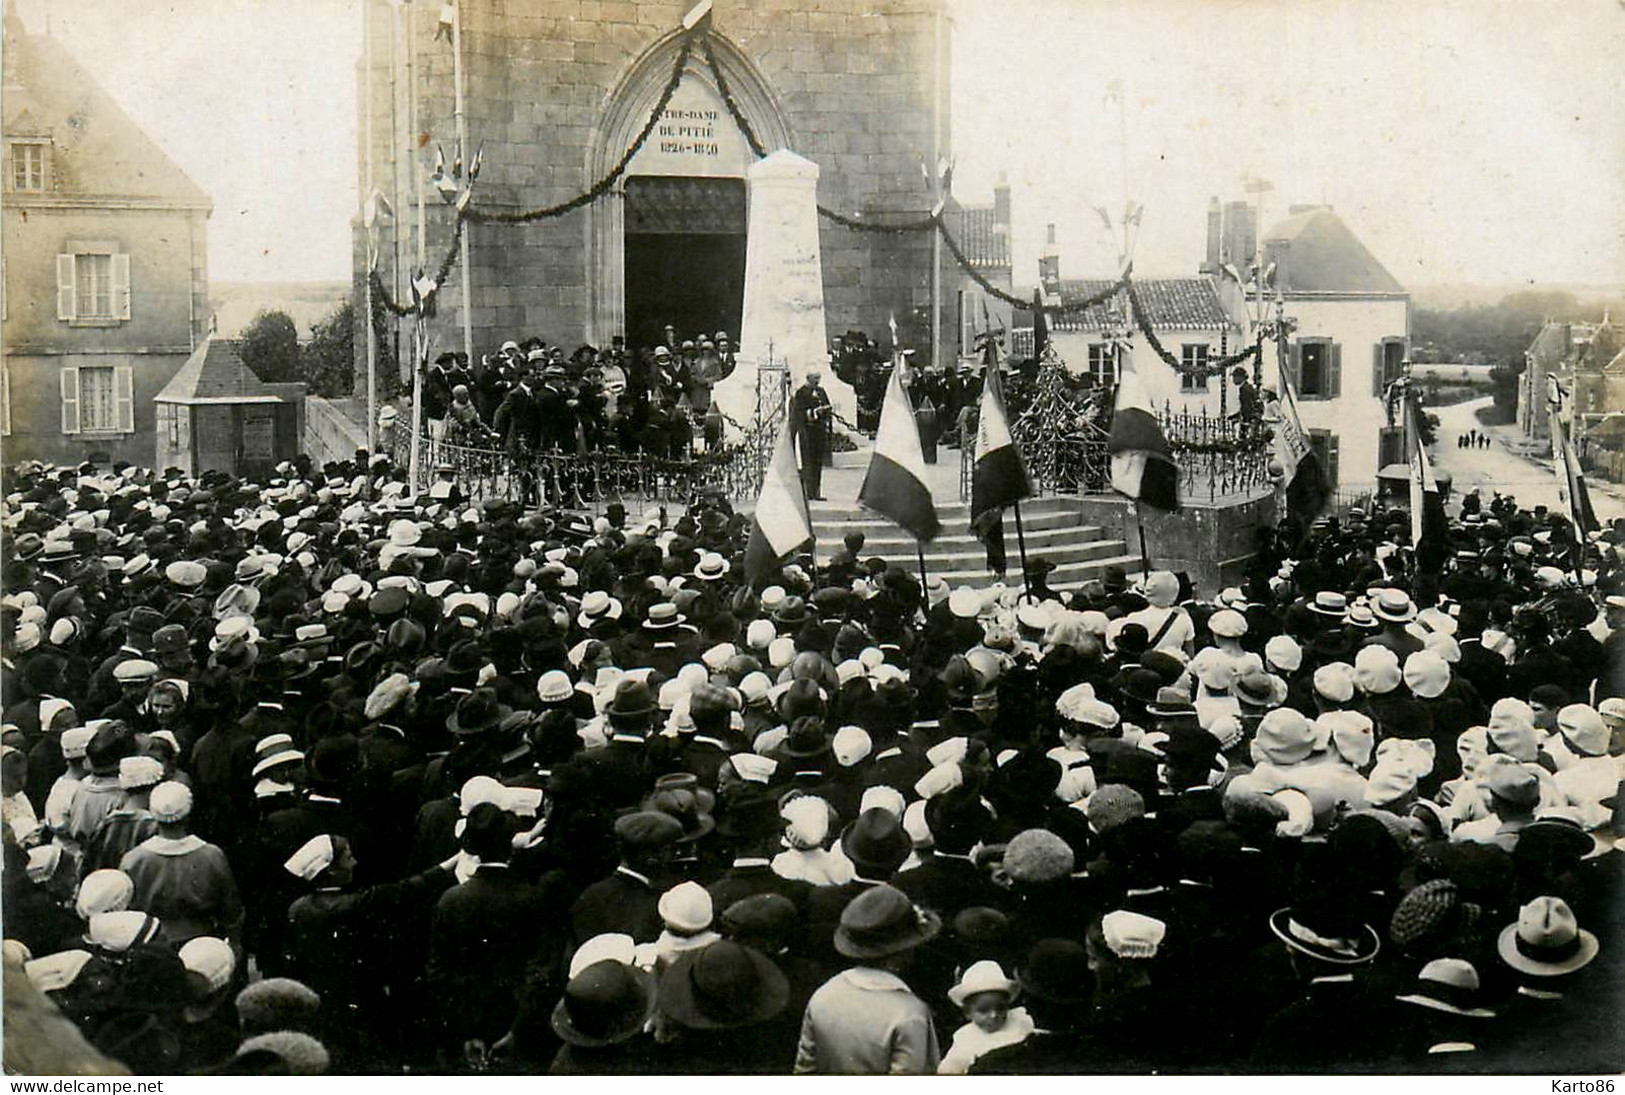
[(1502, 467)]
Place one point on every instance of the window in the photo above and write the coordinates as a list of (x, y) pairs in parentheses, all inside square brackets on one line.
[(93, 285), (1387, 364), (1390, 446), (97, 399), (1325, 444), (1193, 356), (1103, 364), (1317, 365), (28, 166)]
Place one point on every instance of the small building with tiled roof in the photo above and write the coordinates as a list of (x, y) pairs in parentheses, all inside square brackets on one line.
[(1188, 317), (106, 275), (215, 414), (982, 233)]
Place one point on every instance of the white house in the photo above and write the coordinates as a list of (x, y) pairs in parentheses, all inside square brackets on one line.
[(1351, 338)]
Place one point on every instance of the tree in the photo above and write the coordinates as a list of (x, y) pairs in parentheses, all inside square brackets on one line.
[(329, 357), (270, 347)]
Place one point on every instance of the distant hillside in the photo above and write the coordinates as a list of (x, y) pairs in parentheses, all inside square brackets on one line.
[(1445, 296), (236, 303)]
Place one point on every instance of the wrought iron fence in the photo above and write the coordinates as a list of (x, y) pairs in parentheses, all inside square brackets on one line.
[(1217, 457), (591, 480)]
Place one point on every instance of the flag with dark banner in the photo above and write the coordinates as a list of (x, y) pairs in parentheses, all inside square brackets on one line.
[(1571, 479), (1142, 464), (1430, 532), (1305, 480), (1040, 330), (895, 484), (999, 475), (781, 523)]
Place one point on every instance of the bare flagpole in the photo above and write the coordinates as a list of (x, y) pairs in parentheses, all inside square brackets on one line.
[(462, 154), (368, 211), (415, 463)]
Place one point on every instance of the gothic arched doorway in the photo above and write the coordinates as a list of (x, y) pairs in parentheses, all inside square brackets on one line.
[(667, 244)]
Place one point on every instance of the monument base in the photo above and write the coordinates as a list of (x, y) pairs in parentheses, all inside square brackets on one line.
[(1213, 542)]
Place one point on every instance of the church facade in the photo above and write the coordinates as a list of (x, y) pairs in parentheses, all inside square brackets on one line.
[(556, 91)]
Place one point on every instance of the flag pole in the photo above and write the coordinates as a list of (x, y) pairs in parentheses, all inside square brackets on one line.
[(419, 347), (925, 590), (1145, 557), (366, 228), (1021, 544), (462, 154)]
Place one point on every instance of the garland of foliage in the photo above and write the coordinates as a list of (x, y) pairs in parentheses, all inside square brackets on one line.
[(1200, 372)]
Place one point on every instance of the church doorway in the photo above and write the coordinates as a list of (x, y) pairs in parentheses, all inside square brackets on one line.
[(684, 257)]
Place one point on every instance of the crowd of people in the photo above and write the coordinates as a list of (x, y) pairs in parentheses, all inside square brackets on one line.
[(318, 775)]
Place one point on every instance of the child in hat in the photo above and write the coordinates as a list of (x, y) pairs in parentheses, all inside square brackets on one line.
[(984, 994)]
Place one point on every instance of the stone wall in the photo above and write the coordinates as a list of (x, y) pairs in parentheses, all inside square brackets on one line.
[(846, 83), (333, 430), (1213, 543)]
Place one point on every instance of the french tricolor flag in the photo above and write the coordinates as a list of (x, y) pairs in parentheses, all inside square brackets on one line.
[(895, 484), (1142, 465)]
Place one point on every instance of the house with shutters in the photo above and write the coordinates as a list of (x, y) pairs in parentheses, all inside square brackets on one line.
[(105, 273), (1350, 341)]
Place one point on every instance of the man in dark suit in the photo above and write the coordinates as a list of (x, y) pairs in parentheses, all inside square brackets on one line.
[(950, 881), (624, 770), (494, 938), (810, 420), (556, 411), (518, 420), (628, 901), (750, 825)]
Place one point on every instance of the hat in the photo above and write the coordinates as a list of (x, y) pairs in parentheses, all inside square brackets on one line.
[(1395, 606), (1328, 939), (686, 908), (476, 712), (1132, 934), (1284, 737), (598, 605), (75, 742), (1546, 941), (135, 773), (1259, 689), (135, 670), (1056, 971), (647, 829), (170, 802), (876, 843), (1449, 985), (983, 976), (606, 1003), (299, 1053), (632, 699), (1351, 733), (882, 921), (722, 986), (1515, 785), (1037, 856), (313, 857), (121, 930), (276, 1003), (1112, 805), (186, 573), (763, 915), (1432, 912), (851, 745), (387, 695), (1283, 653), (1376, 670), (210, 958), (1583, 730), (554, 687), (1334, 681), (1330, 603), (1227, 623), (105, 890)]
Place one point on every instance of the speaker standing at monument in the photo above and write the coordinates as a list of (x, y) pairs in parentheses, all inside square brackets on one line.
[(809, 418)]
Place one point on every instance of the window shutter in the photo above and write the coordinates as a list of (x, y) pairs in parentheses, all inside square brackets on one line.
[(5, 401), (67, 289), (124, 397), (121, 286), (1332, 453), (1334, 371), (1377, 369), (1295, 367), (70, 398)]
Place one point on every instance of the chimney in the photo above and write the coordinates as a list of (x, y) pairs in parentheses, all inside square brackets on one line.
[(1049, 264), (1240, 235), (1211, 264), (1001, 201)]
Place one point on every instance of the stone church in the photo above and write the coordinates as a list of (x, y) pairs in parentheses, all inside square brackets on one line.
[(556, 92)]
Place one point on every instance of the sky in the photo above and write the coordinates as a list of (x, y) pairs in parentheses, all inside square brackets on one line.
[(1478, 141)]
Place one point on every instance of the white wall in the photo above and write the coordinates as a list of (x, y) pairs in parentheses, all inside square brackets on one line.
[(1160, 381), (1357, 416)]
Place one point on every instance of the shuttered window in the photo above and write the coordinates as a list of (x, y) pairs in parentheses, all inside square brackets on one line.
[(98, 399), (1317, 365), (1325, 444), (93, 285)]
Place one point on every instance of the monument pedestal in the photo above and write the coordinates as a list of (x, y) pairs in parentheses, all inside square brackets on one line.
[(784, 287)]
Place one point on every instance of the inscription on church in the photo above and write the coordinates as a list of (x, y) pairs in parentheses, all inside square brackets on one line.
[(689, 132)]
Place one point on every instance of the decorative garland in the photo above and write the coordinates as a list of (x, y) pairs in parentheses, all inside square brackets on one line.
[(1199, 372), (602, 186), (727, 94)]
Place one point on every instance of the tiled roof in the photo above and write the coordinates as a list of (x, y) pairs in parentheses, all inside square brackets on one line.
[(96, 148), (986, 243), (1178, 304), (1314, 252), (1604, 347), (215, 373)]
